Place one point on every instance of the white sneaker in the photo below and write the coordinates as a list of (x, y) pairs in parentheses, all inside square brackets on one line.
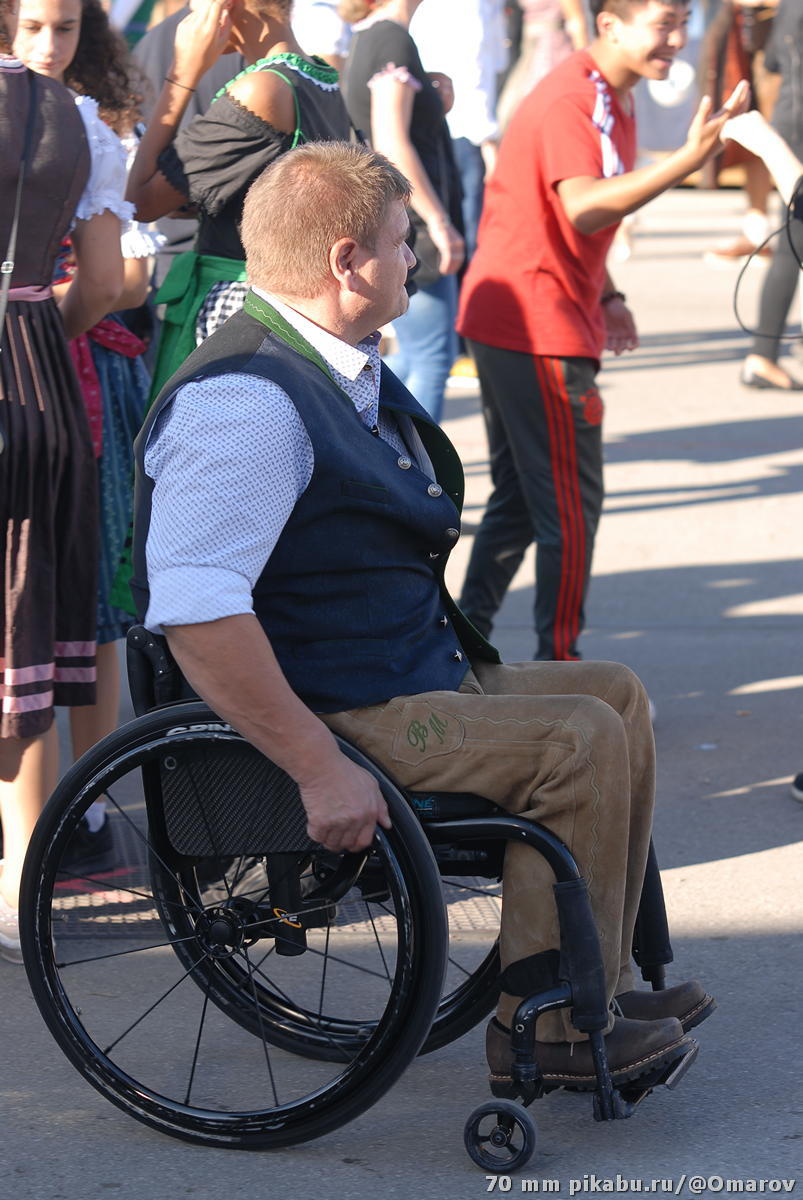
[(10, 948)]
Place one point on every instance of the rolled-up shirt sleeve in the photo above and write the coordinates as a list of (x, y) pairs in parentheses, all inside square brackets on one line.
[(229, 458)]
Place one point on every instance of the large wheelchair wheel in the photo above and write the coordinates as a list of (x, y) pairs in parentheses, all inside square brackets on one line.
[(138, 971), (470, 988)]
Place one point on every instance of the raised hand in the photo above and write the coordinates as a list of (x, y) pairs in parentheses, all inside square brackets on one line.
[(201, 38), (705, 131)]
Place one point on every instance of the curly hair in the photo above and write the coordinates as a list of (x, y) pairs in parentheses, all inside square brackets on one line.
[(5, 40), (102, 69)]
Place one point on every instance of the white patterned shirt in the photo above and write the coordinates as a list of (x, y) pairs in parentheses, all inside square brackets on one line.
[(229, 457)]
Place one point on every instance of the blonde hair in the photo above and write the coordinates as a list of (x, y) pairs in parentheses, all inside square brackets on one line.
[(305, 202)]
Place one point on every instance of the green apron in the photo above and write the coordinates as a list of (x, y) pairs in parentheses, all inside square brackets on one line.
[(184, 291)]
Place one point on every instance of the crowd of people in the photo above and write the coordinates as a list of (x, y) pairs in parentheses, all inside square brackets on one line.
[(224, 114)]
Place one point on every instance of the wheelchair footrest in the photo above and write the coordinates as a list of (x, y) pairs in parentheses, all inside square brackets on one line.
[(632, 1094)]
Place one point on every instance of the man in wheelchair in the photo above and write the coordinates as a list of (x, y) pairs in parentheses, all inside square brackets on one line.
[(295, 511)]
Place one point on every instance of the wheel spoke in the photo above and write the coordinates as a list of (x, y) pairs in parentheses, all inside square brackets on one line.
[(261, 1028), (119, 887), (324, 965), (378, 943), (335, 958), (75, 962), (150, 848), (302, 1017), (150, 1009), (188, 1060), (197, 1044), (478, 891), (308, 912), (459, 967)]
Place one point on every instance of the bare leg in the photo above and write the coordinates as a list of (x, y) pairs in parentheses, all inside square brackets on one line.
[(28, 774), (755, 228), (758, 186), (92, 722)]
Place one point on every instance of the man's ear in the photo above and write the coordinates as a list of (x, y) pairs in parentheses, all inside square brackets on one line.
[(607, 25), (343, 263)]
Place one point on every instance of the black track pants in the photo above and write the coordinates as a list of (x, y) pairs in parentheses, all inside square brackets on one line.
[(544, 422)]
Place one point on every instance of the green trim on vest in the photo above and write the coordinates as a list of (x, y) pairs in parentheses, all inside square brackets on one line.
[(267, 315), (445, 458)]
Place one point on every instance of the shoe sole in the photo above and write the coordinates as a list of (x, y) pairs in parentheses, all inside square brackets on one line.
[(759, 384), (696, 1016), (652, 1064)]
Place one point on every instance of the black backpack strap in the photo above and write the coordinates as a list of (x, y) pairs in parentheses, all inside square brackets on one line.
[(7, 266)]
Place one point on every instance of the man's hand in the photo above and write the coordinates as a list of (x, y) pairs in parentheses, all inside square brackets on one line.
[(620, 328), (705, 131), (343, 806), (230, 663)]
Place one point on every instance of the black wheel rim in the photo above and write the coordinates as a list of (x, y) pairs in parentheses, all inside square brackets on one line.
[(119, 1032)]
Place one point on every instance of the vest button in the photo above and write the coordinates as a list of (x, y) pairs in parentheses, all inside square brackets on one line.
[(404, 463), (458, 656), (453, 534), (434, 490), (444, 621)]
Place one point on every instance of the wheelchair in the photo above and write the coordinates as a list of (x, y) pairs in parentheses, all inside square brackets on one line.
[(229, 982)]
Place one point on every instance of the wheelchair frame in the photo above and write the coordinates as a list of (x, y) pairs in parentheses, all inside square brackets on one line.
[(212, 926)]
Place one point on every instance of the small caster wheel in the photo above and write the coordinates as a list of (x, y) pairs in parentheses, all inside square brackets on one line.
[(500, 1136)]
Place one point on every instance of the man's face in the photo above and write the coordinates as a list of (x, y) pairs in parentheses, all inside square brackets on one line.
[(387, 266), (646, 43)]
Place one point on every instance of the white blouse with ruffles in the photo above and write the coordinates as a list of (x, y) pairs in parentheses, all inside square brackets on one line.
[(111, 158)]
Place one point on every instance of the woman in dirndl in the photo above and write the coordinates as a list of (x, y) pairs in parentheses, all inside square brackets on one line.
[(48, 483)]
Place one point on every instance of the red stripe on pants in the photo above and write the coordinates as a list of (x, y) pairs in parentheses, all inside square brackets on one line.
[(563, 457)]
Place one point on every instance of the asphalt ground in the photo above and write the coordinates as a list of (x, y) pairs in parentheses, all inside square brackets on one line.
[(697, 585)]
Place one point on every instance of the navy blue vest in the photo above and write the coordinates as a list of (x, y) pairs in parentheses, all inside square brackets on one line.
[(352, 597)]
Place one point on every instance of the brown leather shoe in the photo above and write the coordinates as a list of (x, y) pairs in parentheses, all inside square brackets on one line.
[(688, 1002), (635, 1048)]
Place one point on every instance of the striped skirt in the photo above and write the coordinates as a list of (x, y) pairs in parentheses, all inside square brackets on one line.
[(49, 528)]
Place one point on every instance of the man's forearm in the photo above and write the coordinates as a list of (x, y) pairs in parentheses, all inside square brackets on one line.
[(594, 204), (231, 665)]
